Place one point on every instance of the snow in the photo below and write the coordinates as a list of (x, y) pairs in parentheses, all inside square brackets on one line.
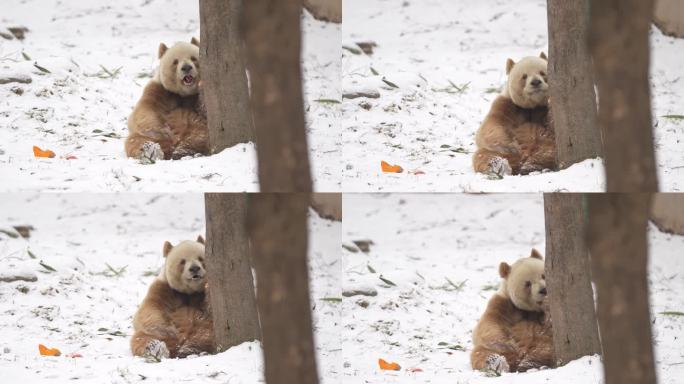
[(86, 307), (442, 252), (79, 109), (448, 60)]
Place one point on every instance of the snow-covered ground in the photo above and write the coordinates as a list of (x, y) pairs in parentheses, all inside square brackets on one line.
[(447, 61), (105, 250), (442, 253), (100, 54)]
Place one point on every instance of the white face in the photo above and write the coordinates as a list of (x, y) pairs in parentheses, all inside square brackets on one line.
[(527, 284), (185, 268), (527, 82), (179, 69)]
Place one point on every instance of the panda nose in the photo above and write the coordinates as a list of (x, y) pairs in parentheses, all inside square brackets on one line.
[(186, 68), (543, 291), (194, 269), (535, 82)]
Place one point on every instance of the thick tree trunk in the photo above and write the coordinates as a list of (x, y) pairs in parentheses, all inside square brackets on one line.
[(573, 102), (618, 41), (231, 286), (273, 44), (568, 278), (618, 244), (278, 232), (225, 90)]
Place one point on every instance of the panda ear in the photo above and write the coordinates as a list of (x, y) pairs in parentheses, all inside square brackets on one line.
[(535, 254), (162, 49), (200, 239), (504, 270), (509, 65), (167, 248), (543, 56), (194, 41)]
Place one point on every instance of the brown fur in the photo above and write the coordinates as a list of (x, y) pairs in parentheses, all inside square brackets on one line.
[(173, 121), (170, 112), (524, 338), (520, 135), (180, 320), (518, 125)]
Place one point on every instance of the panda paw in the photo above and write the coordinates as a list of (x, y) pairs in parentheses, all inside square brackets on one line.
[(528, 168), (498, 167), (526, 365), (155, 351), (188, 350), (496, 364), (150, 153)]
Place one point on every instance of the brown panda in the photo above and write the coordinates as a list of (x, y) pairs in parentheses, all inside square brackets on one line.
[(169, 122), (174, 319), (514, 333), (516, 137)]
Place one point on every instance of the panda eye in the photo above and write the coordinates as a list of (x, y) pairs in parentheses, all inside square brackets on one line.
[(528, 284), (543, 276), (193, 58), (524, 77), (175, 62), (542, 73), (182, 262), (201, 259)]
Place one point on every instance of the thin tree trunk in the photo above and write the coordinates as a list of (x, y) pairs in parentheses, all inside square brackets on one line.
[(568, 278), (231, 286), (617, 240), (278, 232), (327, 10), (273, 44), (225, 90), (573, 102), (618, 42)]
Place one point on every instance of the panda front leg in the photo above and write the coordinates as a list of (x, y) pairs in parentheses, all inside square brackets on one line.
[(495, 164), (494, 360), (150, 347)]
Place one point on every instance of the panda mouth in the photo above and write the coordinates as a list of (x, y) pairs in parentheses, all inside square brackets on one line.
[(188, 80)]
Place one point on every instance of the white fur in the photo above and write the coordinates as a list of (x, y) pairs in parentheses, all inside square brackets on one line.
[(179, 279), (513, 286), (521, 91), (170, 74)]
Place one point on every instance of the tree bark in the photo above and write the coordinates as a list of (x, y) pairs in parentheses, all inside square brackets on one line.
[(571, 92), (273, 44), (225, 91), (278, 232), (326, 10), (231, 286), (669, 17), (618, 41), (617, 240), (327, 205), (667, 212), (568, 278)]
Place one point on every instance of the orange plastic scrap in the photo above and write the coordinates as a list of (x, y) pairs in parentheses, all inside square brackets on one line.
[(388, 366), (390, 168), (45, 351), (37, 152)]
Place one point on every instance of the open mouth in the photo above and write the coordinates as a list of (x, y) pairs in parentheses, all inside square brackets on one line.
[(188, 80), (196, 277)]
